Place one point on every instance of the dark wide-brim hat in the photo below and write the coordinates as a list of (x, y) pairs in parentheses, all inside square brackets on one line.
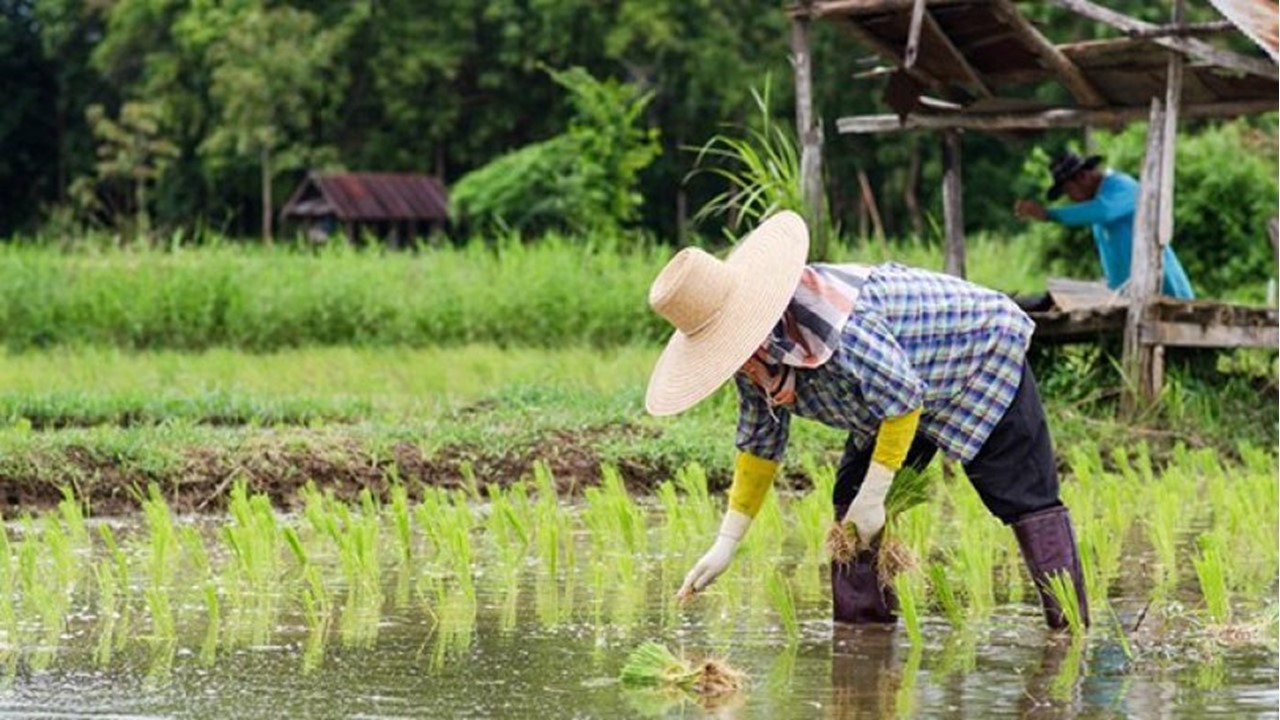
[(1066, 167)]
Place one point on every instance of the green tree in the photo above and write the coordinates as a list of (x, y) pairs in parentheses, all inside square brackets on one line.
[(132, 151), (268, 77), (585, 179)]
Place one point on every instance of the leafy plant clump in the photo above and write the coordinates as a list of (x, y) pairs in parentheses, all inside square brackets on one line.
[(654, 665)]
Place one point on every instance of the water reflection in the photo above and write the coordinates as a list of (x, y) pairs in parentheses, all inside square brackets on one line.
[(865, 677)]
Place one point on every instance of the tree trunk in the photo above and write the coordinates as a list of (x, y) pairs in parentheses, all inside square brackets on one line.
[(266, 196), (909, 197)]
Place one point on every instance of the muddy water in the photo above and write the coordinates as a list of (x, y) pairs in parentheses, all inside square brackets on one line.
[(553, 648)]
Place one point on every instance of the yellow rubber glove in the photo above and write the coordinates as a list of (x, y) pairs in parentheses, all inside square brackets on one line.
[(752, 478), (894, 439)]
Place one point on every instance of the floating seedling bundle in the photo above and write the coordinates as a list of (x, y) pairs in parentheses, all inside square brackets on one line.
[(654, 665)]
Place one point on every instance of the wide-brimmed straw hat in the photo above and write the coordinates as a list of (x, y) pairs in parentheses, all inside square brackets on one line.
[(1065, 167), (722, 309)]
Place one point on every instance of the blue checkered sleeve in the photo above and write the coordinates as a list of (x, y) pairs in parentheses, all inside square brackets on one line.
[(890, 386), (762, 431)]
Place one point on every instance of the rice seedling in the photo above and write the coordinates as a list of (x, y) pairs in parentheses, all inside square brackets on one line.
[(652, 664), (1162, 523), (552, 524), (904, 705), (1066, 680), (162, 543), (782, 600), (974, 553), (945, 594), (447, 520), (125, 586), (8, 616), (108, 594), (72, 513), (698, 509), (1063, 590), (399, 506), (768, 531), (193, 545), (910, 593), (1211, 573), (812, 512), (508, 527)]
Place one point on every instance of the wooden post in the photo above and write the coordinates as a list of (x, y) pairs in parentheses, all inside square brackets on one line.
[(809, 130), (1139, 358), (953, 202), (1153, 229)]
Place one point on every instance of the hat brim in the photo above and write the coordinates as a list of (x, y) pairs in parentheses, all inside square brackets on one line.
[(768, 264), (1055, 190)]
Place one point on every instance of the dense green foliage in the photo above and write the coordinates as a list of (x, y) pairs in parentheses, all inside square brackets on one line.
[(446, 89), (584, 180)]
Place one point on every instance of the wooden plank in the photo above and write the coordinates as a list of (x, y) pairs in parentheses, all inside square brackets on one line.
[(1172, 105), (1070, 295), (1196, 48), (1042, 120), (953, 202), (1222, 336), (1083, 90)]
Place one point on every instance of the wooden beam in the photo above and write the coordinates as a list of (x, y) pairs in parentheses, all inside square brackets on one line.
[(1183, 29), (961, 61), (827, 8), (875, 44), (1041, 120), (953, 202), (1190, 46), (1083, 90), (1222, 336), (913, 35)]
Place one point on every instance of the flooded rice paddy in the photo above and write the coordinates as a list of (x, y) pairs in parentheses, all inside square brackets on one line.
[(522, 603)]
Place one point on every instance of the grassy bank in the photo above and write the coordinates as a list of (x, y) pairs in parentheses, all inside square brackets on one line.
[(108, 422)]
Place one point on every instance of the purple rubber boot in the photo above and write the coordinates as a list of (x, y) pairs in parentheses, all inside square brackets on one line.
[(856, 595), (1048, 544)]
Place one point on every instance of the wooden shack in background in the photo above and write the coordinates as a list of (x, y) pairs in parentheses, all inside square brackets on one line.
[(395, 207), (956, 65)]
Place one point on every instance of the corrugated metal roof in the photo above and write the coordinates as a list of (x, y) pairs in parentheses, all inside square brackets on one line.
[(1255, 18), (366, 197)]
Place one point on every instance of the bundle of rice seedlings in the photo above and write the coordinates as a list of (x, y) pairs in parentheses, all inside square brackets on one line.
[(910, 488), (653, 665)]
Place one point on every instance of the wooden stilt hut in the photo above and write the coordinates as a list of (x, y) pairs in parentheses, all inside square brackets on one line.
[(949, 65)]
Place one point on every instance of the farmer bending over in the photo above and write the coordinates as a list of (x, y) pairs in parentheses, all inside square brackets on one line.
[(907, 361), (1105, 201)]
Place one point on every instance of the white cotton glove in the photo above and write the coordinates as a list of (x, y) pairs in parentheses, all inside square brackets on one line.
[(866, 512), (717, 559)]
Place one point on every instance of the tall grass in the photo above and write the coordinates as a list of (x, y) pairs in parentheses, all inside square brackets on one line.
[(558, 291)]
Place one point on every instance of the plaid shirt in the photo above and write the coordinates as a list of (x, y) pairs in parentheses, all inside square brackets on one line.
[(915, 339)]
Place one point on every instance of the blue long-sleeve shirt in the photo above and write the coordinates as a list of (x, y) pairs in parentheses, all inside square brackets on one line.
[(1110, 215)]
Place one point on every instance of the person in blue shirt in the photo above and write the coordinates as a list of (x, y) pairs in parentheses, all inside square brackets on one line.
[(1105, 200)]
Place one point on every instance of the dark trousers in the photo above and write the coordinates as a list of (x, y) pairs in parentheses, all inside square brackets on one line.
[(1014, 472)]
